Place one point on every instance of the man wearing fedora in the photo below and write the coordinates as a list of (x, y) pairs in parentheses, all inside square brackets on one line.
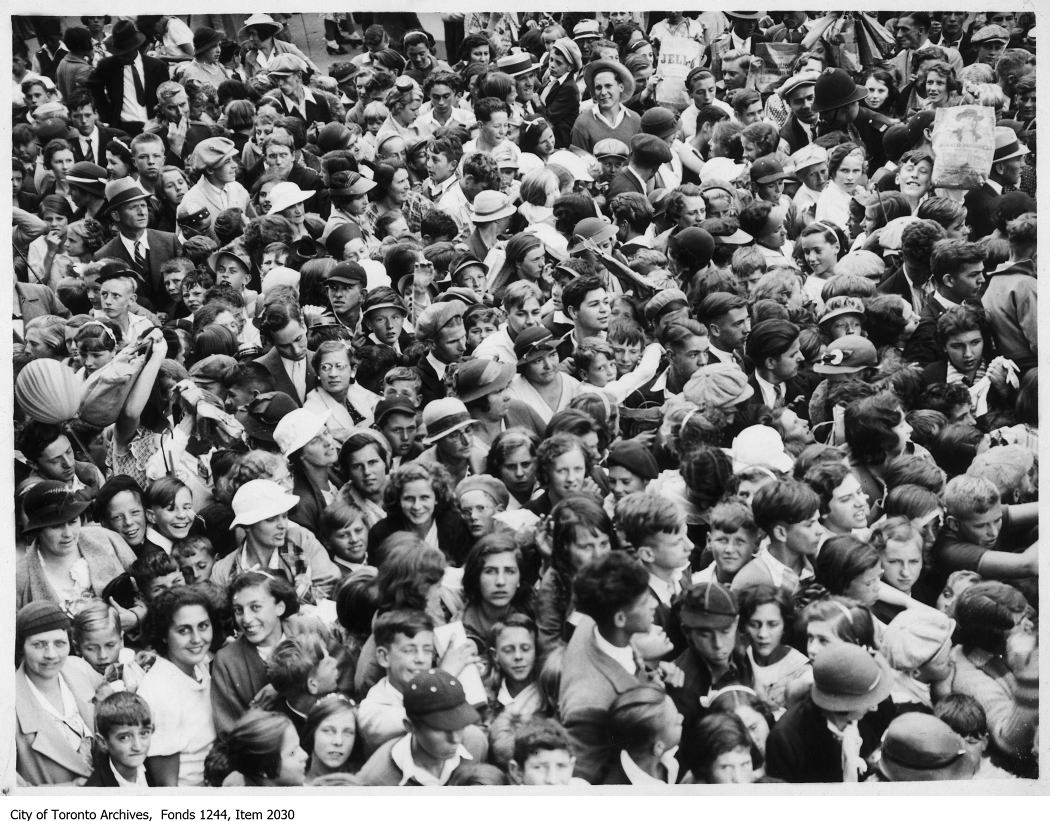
[(450, 441), (144, 250), (1007, 163), (837, 102), (743, 35), (87, 188), (125, 85), (215, 159), (648, 154), (608, 83)]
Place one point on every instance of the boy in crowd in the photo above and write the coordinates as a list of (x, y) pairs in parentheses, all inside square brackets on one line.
[(542, 755), (195, 557), (979, 532), (436, 715), (900, 554), (788, 512), (733, 541), (301, 671), (123, 730), (599, 663)]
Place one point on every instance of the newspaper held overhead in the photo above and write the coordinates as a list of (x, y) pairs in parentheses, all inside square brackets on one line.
[(678, 56), (963, 142)]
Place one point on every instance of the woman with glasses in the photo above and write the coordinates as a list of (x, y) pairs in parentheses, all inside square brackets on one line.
[(337, 393)]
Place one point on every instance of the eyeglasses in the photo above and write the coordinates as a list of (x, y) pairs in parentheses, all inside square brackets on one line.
[(338, 367)]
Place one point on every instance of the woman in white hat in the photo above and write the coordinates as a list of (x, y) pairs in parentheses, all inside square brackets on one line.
[(304, 440), (286, 200), (268, 541)]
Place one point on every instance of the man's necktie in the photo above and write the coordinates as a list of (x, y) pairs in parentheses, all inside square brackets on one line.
[(89, 155), (779, 391), (140, 257), (140, 91)]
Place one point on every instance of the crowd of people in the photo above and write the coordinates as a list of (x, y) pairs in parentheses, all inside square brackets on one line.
[(545, 414)]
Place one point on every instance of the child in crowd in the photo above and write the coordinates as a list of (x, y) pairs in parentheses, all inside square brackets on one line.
[(123, 729), (957, 582), (646, 727), (301, 671), (514, 685), (765, 615), (345, 535), (733, 542), (195, 557), (330, 737), (899, 545), (542, 755)]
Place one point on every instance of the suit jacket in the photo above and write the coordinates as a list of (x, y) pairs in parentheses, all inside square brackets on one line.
[(794, 397), (238, 673), (897, 283), (105, 134), (624, 182), (980, 210), (562, 107), (454, 540), (38, 300), (43, 754), (801, 748), (317, 109), (722, 44), (433, 386), (794, 134), (271, 360), (107, 84), (163, 245), (102, 776), (591, 681)]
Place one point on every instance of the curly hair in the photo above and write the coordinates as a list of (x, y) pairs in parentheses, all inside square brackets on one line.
[(435, 473), (558, 445), (870, 425), (165, 607)]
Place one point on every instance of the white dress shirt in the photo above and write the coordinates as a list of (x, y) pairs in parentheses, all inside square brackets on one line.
[(133, 111)]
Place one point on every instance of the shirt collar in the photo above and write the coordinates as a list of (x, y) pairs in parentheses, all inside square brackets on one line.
[(636, 775), (944, 301), (161, 541), (143, 242), (401, 755), (615, 122), (140, 777), (665, 591), (624, 656), (768, 388), (438, 366)]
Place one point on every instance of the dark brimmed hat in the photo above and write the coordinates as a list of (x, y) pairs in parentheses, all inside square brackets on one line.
[(394, 404), (265, 411), (921, 747), (767, 169), (619, 70), (848, 678), (437, 700), (835, 89), (595, 229), (533, 344), (50, 503), (347, 272), (89, 177), (660, 121), (125, 38), (635, 457), (205, 38), (480, 377), (382, 297)]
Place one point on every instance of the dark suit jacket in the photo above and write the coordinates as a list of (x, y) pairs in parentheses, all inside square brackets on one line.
[(102, 776), (794, 397), (281, 380), (105, 134), (561, 109), (454, 539), (107, 84), (794, 134), (802, 750), (922, 347), (896, 282), (624, 182), (163, 245), (317, 110), (433, 387)]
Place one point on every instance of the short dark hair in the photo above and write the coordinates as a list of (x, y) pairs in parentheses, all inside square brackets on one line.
[(487, 106), (918, 239), (575, 292), (122, 709), (538, 735), (949, 255), (786, 502), (162, 611), (609, 584), (960, 319), (841, 560), (408, 623), (770, 338), (869, 427)]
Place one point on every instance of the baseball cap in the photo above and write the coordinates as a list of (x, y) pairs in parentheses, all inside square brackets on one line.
[(437, 700), (709, 604)]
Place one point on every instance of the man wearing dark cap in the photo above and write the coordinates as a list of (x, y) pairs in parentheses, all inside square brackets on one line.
[(1007, 162), (87, 188), (437, 714), (709, 614), (395, 418), (648, 153), (345, 285), (125, 85)]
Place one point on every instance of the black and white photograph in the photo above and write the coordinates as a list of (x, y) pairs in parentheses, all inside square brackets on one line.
[(566, 400)]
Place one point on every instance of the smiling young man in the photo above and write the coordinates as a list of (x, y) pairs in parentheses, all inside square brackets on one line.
[(957, 271), (609, 84)]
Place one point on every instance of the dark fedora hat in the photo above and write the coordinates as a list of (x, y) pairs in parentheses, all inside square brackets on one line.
[(835, 89), (205, 38), (125, 38)]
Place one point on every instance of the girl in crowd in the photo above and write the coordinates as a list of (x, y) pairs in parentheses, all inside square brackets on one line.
[(493, 587), (260, 750), (765, 615), (329, 737)]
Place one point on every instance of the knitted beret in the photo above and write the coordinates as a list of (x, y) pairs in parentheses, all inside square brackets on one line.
[(39, 617), (720, 385)]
